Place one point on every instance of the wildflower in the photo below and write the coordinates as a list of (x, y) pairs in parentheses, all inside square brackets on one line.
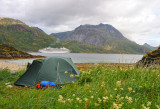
[(115, 89), (105, 92), (77, 99), (92, 96), (99, 100), (64, 101), (60, 96), (96, 104), (60, 100), (126, 97), (74, 95), (149, 103), (103, 84), (72, 81), (66, 72), (117, 106), (133, 91), (105, 98), (71, 75), (86, 99), (80, 101), (111, 97), (130, 89), (76, 75), (121, 88), (121, 98), (130, 100), (157, 107), (144, 107), (118, 83)]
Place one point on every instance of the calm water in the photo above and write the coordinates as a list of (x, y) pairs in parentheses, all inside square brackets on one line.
[(87, 58)]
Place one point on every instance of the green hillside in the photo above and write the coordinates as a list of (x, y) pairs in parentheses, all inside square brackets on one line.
[(23, 37), (82, 47)]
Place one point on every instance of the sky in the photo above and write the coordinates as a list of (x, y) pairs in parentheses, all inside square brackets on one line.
[(137, 20)]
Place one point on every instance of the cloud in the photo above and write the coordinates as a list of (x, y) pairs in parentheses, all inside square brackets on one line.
[(138, 20)]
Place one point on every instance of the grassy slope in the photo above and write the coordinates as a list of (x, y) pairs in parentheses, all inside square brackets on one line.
[(81, 47), (23, 37), (110, 88), (25, 41)]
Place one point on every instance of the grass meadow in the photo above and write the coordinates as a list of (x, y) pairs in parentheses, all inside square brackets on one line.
[(98, 88)]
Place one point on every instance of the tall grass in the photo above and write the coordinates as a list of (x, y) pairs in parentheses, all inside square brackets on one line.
[(99, 87)]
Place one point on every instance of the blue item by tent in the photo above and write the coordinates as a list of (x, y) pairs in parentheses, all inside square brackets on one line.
[(52, 84), (44, 83)]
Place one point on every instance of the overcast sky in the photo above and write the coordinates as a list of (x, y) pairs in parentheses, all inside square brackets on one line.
[(138, 20)]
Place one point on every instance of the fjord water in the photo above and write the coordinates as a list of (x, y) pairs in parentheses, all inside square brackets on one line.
[(87, 58)]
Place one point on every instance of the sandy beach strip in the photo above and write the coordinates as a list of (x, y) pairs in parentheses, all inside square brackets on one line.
[(12, 67)]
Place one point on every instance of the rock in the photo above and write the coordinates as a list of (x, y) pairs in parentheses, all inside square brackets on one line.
[(9, 52), (151, 58)]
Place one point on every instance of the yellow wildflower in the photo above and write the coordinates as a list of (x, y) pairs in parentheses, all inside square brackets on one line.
[(71, 75), (86, 99), (103, 84), (60, 96), (121, 88), (66, 72), (115, 89), (111, 97), (92, 96), (149, 103), (130, 89), (99, 100), (130, 100), (118, 83), (157, 107), (80, 101), (96, 104), (77, 99)]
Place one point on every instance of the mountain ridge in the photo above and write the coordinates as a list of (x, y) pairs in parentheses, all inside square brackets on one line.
[(102, 35), (21, 36), (149, 46)]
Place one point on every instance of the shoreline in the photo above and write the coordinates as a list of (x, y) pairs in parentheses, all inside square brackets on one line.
[(15, 67)]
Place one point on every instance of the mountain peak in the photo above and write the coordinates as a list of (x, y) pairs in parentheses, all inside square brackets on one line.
[(149, 46)]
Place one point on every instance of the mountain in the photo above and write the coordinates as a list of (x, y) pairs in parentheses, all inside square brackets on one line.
[(21, 36), (149, 46), (104, 36)]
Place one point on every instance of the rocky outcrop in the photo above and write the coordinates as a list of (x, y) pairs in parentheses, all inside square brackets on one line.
[(151, 58), (9, 52)]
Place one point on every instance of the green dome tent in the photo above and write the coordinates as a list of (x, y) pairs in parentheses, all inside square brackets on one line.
[(55, 69)]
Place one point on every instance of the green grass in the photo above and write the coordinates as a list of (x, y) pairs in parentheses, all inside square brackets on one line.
[(99, 87)]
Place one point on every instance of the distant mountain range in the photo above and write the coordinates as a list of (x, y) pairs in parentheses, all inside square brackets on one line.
[(102, 36), (23, 37), (149, 46)]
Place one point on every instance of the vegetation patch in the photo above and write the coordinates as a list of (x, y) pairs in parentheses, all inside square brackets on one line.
[(99, 87)]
